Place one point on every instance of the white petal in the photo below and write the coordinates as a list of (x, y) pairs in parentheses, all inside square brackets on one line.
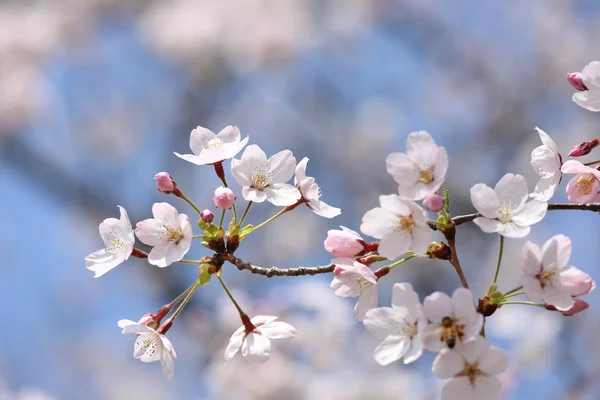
[(588, 100), (545, 161), (199, 139), (150, 346), (557, 251), (489, 225), (546, 187), (282, 166), (459, 389), (251, 194), (415, 351), (546, 139), (431, 338), (167, 358), (395, 204), (190, 158), (394, 244), (103, 261), (277, 330), (591, 75), (533, 289), (462, 304), (163, 254), (495, 361), (263, 319), (391, 349), (125, 223), (447, 364), (421, 148), (403, 295), (282, 194), (166, 213), (532, 212), (436, 306), (150, 231), (512, 188), (485, 200), (233, 148), (488, 388), (377, 222), (380, 322), (235, 342), (365, 302), (323, 209), (512, 230), (532, 259), (441, 166), (229, 134), (473, 327), (474, 349), (301, 171), (421, 239), (256, 348), (242, 172), (402, 169), (559, 297)]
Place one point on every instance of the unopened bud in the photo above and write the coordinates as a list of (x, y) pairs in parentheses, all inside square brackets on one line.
[(207, 216), (434, 202), (344, 243), (576, 81), (486, 307), (165, 182), (441, 251), (583, 148), (578, 307), (224, 198)]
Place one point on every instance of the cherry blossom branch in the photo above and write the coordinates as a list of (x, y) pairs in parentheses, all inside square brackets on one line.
[(461, 219), (450, 235), (274, 271)]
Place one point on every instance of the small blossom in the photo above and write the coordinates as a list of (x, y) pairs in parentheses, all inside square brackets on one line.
[(584, 148), (400, 224), (207, 216), (118, 238), (165, 182), (471, 371), (344, 243), (224, 198), (546, 161), (265, 179), (588, 84), (353, 279), (421, 171), (433, 202), (169, 232), (256, 345), (547, 277), (583, 188), (505, 209), (399, 327), (454, 320), (209, 148), (311, 192), (578, 306)]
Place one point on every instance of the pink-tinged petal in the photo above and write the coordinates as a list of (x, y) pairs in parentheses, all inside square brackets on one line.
[(532, 259), (574, 167), (129, 326), (324, 210), (576, 196), (488, 388), (414, 352), (199, 139), (459, 389), (256, 348), (485, 200), (365, 302), (242, 172), (591, 75), (463, 305), (394, 244), (251, 194), (576, 282), (559, 297), (547, 140), (546, 187), (150, 231), (533, 289), (282, 194), (550, 252), (394, 204), (403, 295), (377, 222), (253, 156), (167, 361), (474, 350), (229, 134), (436, 306), (164, 254), (489, 225), (380, 322), (235, 343), (277, 330), (531, 213), (473, 327), (447, 364), (562, 250), (545, 161), (441, 166), (578, 306), (401, 168), (166, 213), (301, 171), (391, 349), (124, 222), (421, 148), (282, 166), (189, 158), (343, 243), (494, 362), (588, 100), (514, 231), (512, 188)]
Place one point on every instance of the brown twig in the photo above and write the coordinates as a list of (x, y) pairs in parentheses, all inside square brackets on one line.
[(450, 235), (274, 271)]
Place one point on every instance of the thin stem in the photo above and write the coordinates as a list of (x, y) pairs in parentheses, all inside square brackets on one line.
[(189, 261), (197, 237), (279, 214), (499, 258), (402, 260), (592, 162), (514, 294), (222, 218), (230, 296), (527, 303), (234, 213), (514, 290), (184, 293), (191, 203), (245, 213), (192, 290)]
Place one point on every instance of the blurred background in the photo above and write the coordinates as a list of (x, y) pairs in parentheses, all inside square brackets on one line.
[(95, 96)]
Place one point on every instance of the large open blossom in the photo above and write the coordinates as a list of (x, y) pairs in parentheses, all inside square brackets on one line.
[(547, 277), (265, 179), (547, 161), (256, 345), (169, 232), (118, 238), (311, 192), (588, 84), (421, 171), (505, 209), (151, 346), (471, 371), (400, 224), (209, 148), (399, 326), (353, 279), (454, 320), (583, 188)]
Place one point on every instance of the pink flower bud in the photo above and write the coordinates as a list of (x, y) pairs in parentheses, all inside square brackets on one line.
[(434, 202), (165, 183), (344, 243), (576, 81), (578, 306), (577, 282), (224, 197), (207, 216), (583, 148)]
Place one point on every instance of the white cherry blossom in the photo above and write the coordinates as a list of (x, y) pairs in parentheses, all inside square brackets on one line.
[(151, 346), (471, 371), (547, 277), (421, 171), (118, 238), (265, 179), (169, 232), (401, 225), (256, 345), (209, 148), (454, 320), (589, 98), (546, 161), (311, 192), (505, 209), (399, 326), (353, 279)]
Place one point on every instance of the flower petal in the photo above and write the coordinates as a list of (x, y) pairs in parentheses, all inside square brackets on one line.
[(301, 171), (547, 140), (531, 213), (323, 209), (380, 322), (437, 306), (391, 349), (254, 195), (462, 304), (447, 364), (494, 362), (485, 200), (256, 348), (421, 148), (377, 222), (414, 351), (401, 168), (277, 330), (282, 166), (366, 302), (488, 388), (166, 213), (403, 295), (199, 139), (559, 297), (514, 231), (546, 187), (394, 244), (460, 388), (235, 343), (512, 188), (282, 194), (588, 100), (489, 225), (532, 259)]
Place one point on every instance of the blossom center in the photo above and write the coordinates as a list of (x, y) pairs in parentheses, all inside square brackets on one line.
[(171, 234), (261, 177), (547, 278), (116, 243), (405, 224), (452, 331), (425, 173), (408, 327), (214, 143), (471, 371), (585, 183), (505, 212), (151, 342)]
